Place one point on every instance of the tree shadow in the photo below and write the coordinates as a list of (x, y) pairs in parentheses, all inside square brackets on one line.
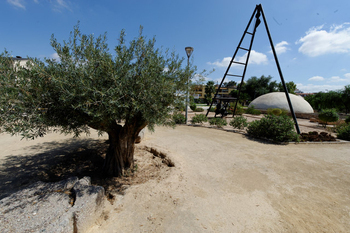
[(265, 141), (55, 161)]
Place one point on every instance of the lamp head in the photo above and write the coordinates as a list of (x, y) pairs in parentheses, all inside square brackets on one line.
[(189, 51)]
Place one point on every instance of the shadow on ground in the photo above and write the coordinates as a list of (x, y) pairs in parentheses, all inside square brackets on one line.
[(55, 161)]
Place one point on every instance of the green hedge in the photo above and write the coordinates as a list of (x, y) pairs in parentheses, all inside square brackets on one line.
[(239, 122), (200, 119), (276, 128), (252, 110), (343, 132), (219, 122), (178, 118)]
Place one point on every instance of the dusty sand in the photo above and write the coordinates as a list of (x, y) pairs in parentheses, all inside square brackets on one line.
[(221, 182), (224, 182)]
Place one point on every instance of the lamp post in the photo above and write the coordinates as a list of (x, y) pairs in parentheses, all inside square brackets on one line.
[(189, 51)]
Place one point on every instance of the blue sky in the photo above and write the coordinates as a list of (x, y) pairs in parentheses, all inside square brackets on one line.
[(312, 38)]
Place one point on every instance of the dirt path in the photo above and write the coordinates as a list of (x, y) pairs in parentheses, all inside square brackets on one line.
[(224, 182), (221, 182)]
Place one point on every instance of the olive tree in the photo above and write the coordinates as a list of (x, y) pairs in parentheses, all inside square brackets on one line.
[(119, 93)]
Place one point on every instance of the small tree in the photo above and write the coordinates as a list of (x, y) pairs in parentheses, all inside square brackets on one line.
[(88, 86), (209, 92), (291, 87), (328, 115)]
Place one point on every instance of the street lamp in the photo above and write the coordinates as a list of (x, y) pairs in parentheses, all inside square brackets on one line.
[(189, 51)]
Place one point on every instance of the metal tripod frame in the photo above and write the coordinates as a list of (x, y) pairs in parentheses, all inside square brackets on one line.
[(258, 11)]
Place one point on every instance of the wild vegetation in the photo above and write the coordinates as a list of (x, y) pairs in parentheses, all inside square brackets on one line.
[(339, 100), (88, 86), (255, 87)]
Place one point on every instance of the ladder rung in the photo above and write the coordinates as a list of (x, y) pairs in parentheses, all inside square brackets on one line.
[(241, 63), (234, 75), (249, 33), (243, 48)]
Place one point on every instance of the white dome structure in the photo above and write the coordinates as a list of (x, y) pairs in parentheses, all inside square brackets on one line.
[(279, 100)]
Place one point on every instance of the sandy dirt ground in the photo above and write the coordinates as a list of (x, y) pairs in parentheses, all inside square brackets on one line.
[(224, 182), (221, 182)]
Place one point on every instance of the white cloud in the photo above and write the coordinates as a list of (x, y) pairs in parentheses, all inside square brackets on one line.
[(311, 88), (17, 3), (336, 79), (281, 47), (223, 63), (333, 79), (318, 41), (255, 58), (59, 5), (55, 57), (316, 78)]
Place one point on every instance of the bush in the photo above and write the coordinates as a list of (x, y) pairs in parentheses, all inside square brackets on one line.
[(274, 111), (199, 110), (200, 119), (239, 109), (212, 109), (343, 132), (219, 122), (328, 115), (193, 106), (239, 122), (178, 118), (276, 128), (199, 101), (252, 110), (347, 119)]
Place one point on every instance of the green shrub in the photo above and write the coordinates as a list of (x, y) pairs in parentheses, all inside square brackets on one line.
[(200, 119), (219, 122), (343, 132), (178, 118), (276, 128), (239, 109), (199, 110), (252, 110), (328, 115), (347, 119), (212, 109), (193, 106), (239, 122), (274, 111)]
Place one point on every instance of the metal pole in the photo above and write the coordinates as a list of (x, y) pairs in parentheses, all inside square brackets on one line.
[(280, 71), (189, 51), (188, 62)]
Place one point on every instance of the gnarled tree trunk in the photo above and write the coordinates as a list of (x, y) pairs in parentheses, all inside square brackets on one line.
[(120, 154)]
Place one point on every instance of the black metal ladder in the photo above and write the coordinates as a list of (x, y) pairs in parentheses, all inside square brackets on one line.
[(258, 11)]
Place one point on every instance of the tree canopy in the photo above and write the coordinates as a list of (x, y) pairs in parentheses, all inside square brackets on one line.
[(88, 86), (340, 100), (209, 92), (255, 87)]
